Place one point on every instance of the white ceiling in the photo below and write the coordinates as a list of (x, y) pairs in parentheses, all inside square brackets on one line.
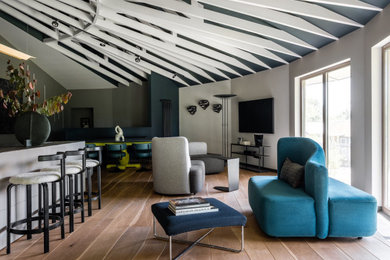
[(191, 42)]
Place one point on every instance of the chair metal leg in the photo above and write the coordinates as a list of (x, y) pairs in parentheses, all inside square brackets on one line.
[(62, 207), (76, 187), (71, 204), (89, 180), (28, 209), (40, 206), (195, 243), (99, 181), (82, 196), (46, 218), (170, 247), (9, 218), (53, 198)]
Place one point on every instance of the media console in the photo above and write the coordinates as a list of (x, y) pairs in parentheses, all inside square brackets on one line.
[(250, 151)]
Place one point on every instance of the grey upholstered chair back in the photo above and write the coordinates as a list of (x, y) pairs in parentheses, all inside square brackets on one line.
[(197, 148), (171, 165)]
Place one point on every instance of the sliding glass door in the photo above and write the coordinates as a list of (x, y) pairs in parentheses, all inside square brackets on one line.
[(326, 117)]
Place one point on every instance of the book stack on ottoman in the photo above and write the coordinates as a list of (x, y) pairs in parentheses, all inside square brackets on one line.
[(210, 213), (187, 206)]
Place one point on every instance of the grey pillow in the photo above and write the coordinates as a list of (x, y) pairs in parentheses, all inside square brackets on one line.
[(292, 173)]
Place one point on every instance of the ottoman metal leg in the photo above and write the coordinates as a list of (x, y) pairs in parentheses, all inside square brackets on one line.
[(195, 243)]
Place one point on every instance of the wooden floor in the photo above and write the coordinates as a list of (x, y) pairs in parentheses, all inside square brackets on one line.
[(122, 229)]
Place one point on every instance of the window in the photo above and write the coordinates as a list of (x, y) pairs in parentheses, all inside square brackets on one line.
[(386, 117), (326, 116)]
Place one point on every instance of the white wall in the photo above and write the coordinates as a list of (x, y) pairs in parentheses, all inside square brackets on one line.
[(265, 84), (204, 125)]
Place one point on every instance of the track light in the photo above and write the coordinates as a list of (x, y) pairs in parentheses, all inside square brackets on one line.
[(137, 59), (102, 44), (54, 24), (174, 75)]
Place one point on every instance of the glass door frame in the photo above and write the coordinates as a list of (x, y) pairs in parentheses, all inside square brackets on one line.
[(385, 130), (325, 129)]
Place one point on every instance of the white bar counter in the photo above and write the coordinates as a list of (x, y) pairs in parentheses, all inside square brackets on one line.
[(19, 159)]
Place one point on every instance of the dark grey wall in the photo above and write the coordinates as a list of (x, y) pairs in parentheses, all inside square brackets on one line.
[(163, 88), (52, 88), (124, 106)]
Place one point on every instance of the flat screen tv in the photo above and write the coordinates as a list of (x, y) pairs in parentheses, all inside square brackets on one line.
[(256, 116)]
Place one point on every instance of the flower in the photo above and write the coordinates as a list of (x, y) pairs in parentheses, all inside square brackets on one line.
[(24, 96)]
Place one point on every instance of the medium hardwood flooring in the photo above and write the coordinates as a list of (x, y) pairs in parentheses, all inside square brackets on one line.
[(122, 229)]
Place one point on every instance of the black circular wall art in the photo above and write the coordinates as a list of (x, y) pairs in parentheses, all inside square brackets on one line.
[(191, 109), (204, 103), (217, 108)]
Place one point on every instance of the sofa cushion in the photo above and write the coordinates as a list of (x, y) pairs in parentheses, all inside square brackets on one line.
[(292, 173), (281, 210), (352, 212)]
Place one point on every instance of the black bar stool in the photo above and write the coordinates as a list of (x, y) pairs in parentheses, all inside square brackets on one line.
[(42, 179), (91, 164), (75, 198), (73, 174)]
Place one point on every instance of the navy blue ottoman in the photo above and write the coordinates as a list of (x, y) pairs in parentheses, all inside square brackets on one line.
[(174, 225)]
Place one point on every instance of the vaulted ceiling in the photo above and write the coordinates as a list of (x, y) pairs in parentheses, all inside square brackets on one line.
[(191, 42)]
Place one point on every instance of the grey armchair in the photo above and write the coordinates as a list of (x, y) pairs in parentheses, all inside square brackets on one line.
[(173, 171)]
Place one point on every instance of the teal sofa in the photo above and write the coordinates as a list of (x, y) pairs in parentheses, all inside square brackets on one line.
[(324, 207)]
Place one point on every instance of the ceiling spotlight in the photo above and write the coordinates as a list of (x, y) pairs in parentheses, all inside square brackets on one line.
[(54, 24), (174, 75), (137, 59), (102, 44)]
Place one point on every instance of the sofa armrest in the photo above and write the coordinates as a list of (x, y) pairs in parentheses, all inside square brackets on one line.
[(316, 185), (197, 176)]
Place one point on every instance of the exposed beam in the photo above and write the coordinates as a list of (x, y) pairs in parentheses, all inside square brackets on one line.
[(75, 46), (53, 13), (120, 43), (87, 38), (31, 22), (301, 8), (185, 26), (347, 3), (68, 9), (92, 65), (198, 12), (87, 7), (129, 57), (270, 15), (141, 71), (111, 27), (38, 15), (158, 49), (167, 37)]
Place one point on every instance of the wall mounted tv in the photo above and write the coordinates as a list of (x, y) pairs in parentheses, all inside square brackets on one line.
[(256, 116)]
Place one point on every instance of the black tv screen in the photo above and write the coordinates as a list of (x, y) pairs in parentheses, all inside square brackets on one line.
[(256, 116)]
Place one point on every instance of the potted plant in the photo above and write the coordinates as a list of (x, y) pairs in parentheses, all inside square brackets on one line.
[(22, 102)]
